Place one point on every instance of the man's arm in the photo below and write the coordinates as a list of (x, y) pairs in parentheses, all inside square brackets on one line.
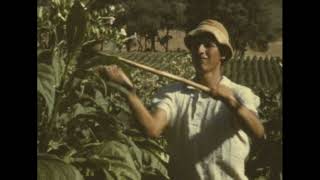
[(247, 119), (154, 123)]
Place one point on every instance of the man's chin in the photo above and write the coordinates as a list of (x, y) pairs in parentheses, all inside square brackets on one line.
[(202, 71), (205, 68)]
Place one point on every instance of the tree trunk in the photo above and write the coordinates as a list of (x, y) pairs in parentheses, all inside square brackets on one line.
[(145, 43), (153, 43), (242, 53), (167, 42), (128, 45), (140, 48), (236, 53)]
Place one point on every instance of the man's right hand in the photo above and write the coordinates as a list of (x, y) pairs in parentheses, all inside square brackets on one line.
[(115, 74), (153, 123)]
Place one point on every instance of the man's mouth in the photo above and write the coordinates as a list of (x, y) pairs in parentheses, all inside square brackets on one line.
[(202, 60)]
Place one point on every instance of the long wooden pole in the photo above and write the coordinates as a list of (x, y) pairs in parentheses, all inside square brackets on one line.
[(161, 73)]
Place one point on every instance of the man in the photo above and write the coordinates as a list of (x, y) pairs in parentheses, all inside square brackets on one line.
[(207, 132)]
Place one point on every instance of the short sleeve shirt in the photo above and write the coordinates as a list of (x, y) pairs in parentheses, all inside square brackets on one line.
[(203, 142)]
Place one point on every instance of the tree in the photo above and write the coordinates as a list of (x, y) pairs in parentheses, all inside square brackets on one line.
[(249, 22), (142, 17), (174, 18), (164, 41), (146, 18)]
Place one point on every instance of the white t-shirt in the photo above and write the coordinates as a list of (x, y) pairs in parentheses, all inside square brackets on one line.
[(203, 143)]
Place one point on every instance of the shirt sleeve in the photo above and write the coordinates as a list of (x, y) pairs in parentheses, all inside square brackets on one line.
[(166, 101), (249, 100)]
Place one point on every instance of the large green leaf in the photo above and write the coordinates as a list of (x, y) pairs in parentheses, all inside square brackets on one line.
[(154, 156), (50, 70), (117, 161), (77, 109), (51, 167), (44, 56), (58, 65), (76, 26), (80, 109), (100, 101), (46, 85), (122, 158), (154, 148), (151, 165)]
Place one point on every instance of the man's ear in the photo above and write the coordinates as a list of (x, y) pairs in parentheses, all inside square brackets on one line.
[(222, 50), (223, 59)]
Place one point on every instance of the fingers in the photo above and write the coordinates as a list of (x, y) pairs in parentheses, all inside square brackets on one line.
[(126, 80), (109, 70), (214, 91), (219, 90), (106, 71), (222, 92), (112, 71), (115, 74)]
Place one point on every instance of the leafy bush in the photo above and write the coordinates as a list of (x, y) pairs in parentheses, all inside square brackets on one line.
[(82, 118)]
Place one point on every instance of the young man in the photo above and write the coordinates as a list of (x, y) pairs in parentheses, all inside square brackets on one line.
[(207, 132)]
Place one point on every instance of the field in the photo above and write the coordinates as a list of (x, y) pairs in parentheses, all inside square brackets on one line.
[(254, 72)]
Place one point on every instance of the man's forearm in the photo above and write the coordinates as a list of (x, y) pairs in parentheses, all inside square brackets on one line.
[(246, 118), (143, 115), (153, 124)]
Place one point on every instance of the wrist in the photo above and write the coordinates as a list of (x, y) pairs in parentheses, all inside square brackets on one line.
[(231, 101), (131, 92)]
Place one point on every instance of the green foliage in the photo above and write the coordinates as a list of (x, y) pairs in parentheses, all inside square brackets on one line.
[(120, 158), (81, 116), (265, 159), (92, 111), (80, 112), (50, 70), (75, 26), (147, 17), (45, 85)]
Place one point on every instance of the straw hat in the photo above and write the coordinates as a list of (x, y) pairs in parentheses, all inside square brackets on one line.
[(216, 29)]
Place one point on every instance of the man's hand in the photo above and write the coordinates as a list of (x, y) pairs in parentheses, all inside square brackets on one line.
[(115, 74), (221, 92), (245, 118)]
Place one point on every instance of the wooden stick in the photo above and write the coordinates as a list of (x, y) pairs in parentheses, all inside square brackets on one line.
[(162, 73)]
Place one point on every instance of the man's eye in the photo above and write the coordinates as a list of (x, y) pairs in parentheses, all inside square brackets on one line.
[(210, 44), (195, 45)]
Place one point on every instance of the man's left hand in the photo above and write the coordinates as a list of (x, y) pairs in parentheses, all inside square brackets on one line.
[(221, 92)]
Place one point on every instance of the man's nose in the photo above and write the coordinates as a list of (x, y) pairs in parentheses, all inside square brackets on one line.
[(201, 49)]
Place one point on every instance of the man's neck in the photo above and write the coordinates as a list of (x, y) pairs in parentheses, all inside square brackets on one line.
[(209, 79)]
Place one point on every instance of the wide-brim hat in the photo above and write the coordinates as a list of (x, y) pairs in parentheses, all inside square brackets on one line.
[(217, 30)]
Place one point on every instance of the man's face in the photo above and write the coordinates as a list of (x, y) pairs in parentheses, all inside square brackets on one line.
[(205, 53)]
